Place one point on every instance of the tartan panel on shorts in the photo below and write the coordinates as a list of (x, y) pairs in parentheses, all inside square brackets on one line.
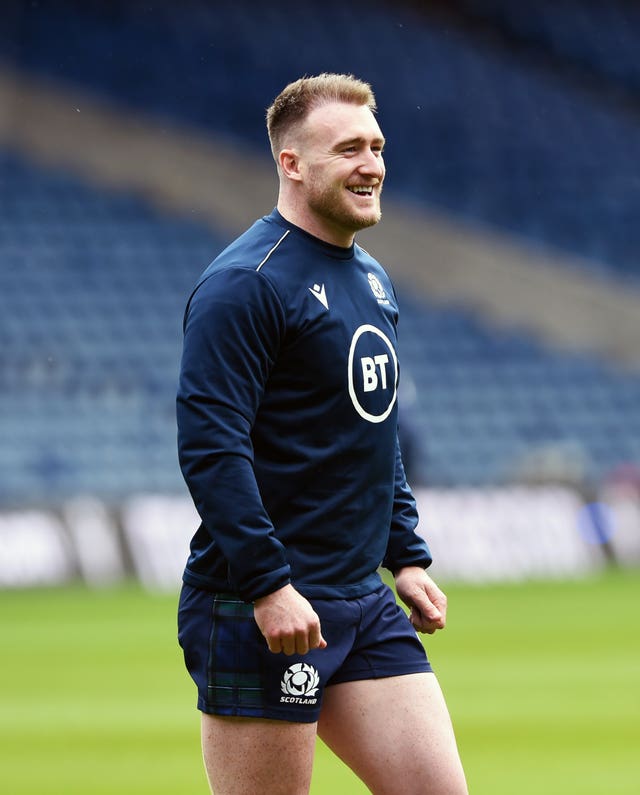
[(234, 678)]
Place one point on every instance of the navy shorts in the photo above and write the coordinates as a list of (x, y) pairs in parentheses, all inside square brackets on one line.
[(228, 658)]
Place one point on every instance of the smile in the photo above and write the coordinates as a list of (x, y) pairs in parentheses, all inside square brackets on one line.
[(361, 190)]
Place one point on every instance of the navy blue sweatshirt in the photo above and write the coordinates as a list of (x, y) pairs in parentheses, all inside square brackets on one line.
[(287, 419)]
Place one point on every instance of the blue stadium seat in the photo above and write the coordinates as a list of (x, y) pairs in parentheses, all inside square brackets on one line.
[(93, 283), (474, 127), (92, 347)]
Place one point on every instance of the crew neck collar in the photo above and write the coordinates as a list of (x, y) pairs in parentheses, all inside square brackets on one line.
[(337, 252)]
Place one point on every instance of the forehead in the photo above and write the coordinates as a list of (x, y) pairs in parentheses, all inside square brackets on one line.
[(332, 122)]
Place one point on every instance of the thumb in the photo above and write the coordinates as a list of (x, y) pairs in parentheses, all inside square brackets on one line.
[(430, 611), (316, 640)]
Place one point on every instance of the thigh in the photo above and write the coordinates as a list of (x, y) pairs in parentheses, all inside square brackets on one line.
[(245, 756), (395, 734)]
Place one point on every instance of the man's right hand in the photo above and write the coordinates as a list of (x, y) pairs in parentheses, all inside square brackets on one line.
[(288, 622)]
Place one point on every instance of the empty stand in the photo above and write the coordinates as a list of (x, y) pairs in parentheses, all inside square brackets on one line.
[(93, 282), (474, 127), (92, 291)]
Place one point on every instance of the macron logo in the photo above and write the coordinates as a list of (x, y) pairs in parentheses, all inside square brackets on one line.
[(320, 294)]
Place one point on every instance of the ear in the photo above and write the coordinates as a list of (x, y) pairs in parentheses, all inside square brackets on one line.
[(289, 162)]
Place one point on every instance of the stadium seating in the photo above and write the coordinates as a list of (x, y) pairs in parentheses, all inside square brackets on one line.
[(93, 282), (474, 127), (92, 289), (488, 399), (600, 38)]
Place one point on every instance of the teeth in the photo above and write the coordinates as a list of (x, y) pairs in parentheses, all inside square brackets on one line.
[(362, 189)]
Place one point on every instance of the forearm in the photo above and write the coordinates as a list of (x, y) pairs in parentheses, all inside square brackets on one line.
[(405, 546), (225, 493), (230, 338)]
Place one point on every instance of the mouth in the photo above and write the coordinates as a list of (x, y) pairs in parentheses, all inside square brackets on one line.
[(361, 190)]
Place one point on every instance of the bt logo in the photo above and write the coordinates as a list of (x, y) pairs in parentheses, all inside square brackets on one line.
[(369, 375), (373, 373)]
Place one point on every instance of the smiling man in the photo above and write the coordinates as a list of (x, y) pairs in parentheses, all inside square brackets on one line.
[(287, 432), (336, 160)]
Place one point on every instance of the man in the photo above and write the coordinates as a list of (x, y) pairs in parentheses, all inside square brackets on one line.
[(287, 423)]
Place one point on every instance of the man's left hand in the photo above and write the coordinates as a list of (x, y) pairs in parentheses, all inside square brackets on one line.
[(420, 593)]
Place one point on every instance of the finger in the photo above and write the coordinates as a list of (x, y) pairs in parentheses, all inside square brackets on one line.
[(425, 629), (302, 643), (288, 645), (430, 612), (424, 623), (281, 644), (316, 641)]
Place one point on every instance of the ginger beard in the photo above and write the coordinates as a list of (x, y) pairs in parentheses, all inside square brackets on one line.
[(338, 206)]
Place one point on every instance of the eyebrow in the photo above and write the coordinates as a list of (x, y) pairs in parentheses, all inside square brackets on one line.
[(359, 140)]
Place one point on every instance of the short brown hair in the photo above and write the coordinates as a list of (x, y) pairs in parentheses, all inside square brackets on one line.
[(294, 102)]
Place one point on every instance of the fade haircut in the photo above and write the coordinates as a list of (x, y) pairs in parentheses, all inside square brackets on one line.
[(291, 107)]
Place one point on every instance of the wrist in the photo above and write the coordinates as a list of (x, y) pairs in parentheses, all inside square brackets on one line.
[(411, 567), (272, 594)]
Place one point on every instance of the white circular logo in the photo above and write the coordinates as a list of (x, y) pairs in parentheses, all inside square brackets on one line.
[(376, 287), (300, 679), (373, 373)]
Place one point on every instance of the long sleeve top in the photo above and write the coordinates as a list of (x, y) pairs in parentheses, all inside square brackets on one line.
[(287, 419)]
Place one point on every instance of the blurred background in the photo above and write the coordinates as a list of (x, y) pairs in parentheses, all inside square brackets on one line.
[(133, 148)]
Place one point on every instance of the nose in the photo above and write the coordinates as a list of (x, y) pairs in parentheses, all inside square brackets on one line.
[(372, 164)]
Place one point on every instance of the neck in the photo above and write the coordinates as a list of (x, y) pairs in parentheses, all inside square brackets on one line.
[(303, 218)]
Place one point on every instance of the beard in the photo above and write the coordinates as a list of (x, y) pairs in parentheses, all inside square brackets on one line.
[(332, 204)]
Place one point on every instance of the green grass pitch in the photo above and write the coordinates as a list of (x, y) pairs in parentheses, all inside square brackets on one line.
[(542, 680)]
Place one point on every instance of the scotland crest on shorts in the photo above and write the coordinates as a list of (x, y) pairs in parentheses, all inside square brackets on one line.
[(300, 680)]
